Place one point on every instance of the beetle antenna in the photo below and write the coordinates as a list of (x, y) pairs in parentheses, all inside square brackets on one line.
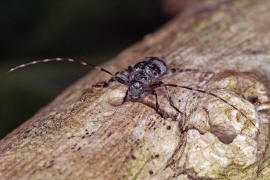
[(214, 95), (61, 59)]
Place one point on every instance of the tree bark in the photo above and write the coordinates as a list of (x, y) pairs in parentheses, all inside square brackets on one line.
[(86, 133)]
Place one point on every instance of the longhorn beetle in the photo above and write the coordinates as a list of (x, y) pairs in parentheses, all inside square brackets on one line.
[(143, 77)]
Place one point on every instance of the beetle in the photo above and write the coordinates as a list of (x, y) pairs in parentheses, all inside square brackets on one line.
[(144, 77)]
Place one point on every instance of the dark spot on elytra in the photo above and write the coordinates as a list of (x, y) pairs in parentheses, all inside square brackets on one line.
[(157, 156), (168, 127), (151, 172)]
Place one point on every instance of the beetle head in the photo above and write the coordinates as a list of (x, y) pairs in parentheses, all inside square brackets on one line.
[(135, 91)]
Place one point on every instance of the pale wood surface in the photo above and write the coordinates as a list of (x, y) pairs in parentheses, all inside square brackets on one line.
[(85, 134)]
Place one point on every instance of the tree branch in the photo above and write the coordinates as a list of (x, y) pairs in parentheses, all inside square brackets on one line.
[(86, 134)]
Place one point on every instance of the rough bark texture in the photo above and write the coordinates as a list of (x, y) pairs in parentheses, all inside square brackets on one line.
[(85, 134)]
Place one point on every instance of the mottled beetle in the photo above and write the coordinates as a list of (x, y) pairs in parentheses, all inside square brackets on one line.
[(143, 77)]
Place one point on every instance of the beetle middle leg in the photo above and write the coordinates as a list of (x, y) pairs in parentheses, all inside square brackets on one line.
[(159, 84), (153, 92), (170, 100)]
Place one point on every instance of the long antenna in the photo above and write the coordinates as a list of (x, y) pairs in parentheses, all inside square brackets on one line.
[(214, 95), (61, 59)]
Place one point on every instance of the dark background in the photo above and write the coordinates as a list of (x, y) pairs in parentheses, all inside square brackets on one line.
[(93, 30)]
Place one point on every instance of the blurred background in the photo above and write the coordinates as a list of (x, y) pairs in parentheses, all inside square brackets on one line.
[(94, 30)]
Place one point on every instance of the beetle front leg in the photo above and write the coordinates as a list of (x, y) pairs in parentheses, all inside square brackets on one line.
[(104, 84)]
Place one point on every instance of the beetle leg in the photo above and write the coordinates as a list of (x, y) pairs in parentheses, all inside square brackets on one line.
[(170, 100), (125, 97), (153, 92), (104, 84)]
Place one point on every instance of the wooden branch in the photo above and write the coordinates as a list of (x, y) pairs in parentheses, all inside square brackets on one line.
[(86, 134)]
